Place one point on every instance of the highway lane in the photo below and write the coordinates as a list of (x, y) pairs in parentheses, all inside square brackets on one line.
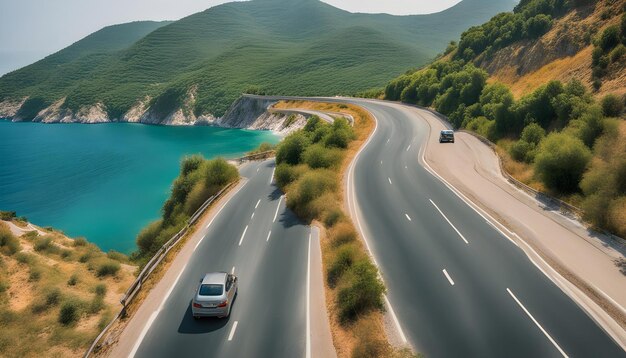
[(457, 286), (269, 315)]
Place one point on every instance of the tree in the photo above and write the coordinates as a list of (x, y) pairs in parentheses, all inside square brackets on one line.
[(561, 162), (609, 38), (291, 149), (538, 25), (612, 106), (533, 133)]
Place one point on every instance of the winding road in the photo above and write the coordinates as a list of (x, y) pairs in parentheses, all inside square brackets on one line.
[(457, 285)]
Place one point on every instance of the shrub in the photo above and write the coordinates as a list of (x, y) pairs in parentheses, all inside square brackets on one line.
[(370, 344), (364, 293), (53, 296), (7, 215), (73, 280), (35, 274), (290, 150), (9, 244), (318, 156), (70, 312), (196, 197), (146, 240), (344, 258), (117, 256), (533, 133), (343, 233), (311, 185), (45, 244), (592, 126), (219, 173), (520, 149), (190, 164), (80, 241), (561, 162), (612, 105), (25, 258), (609, 38), (617, 53), (96, 305), (100, 289), (108, 268), (333, 216)]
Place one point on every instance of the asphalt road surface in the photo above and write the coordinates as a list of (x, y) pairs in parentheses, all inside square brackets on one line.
[(458, 287), (268, 318)]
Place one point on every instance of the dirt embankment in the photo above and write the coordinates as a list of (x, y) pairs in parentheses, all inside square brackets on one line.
[(55, 291)]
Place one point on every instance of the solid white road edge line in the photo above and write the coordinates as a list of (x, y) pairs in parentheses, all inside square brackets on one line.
[(169, 292), (268, 236), (352, 209), (242, 235), (537, 323), (278, 207), (252, 216), (143, 333), (449, 222), (308, 301), (232, 331), (448, 277), (564, 284), (408, 217), (257, 204)]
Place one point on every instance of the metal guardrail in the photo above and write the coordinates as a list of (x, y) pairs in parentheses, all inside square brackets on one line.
[(158, 257), (135, 287), (563, 206)]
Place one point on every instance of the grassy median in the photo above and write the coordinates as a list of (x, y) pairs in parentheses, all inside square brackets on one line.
[(310, 167)]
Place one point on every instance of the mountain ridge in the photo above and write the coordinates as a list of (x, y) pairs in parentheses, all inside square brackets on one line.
[(197, 66)]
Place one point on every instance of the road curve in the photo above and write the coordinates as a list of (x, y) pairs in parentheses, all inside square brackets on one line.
[(456, 284), (269, 315)]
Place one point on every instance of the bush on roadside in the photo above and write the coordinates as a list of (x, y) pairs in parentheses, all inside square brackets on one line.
[(100, 289), (561, 162), (342, 233), (80, 241), (318, 156), (306, 189), (73, 280), (108, 268), (333, 216), (70, 312), (117, 256), (343, 260), (369, 344), (9, 244), (291, 149), (146, 240), (364, 293)]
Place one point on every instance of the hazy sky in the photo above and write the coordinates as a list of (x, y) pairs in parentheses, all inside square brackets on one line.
[(32, 29)]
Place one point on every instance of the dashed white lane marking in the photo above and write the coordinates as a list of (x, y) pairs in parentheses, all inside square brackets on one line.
[(216, 215), (449, 222), (232, 272), (257, 169), (406, 167), (448, 277), (407, 148), (278, 207), (169, 292), (232, 331), (381, 162), (408, 217), (252, 216), (153, 316), (388, 141), (242, 235), (537, 323), (272, 177), (268, 236), (257, 204), (389, 180)]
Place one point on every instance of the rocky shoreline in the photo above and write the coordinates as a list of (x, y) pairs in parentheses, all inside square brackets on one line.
[(245, 113)]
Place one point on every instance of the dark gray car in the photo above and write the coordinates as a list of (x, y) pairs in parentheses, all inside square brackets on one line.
[(446, 136), (215, 295)]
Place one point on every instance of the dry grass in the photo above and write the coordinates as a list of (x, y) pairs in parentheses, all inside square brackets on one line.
[(27, 316), (366, 335)]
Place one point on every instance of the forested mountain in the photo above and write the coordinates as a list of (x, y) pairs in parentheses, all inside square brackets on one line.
[(199, 65)]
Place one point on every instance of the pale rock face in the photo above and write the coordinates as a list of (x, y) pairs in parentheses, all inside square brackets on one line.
[(9, 108), (245, 113)]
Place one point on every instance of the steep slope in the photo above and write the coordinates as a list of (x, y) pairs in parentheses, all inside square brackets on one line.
[(199, 65)]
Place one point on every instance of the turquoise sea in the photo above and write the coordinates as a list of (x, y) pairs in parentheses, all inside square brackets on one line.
[(104, 181)]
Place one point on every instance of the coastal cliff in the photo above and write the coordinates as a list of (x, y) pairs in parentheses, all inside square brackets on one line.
[(244, 113)]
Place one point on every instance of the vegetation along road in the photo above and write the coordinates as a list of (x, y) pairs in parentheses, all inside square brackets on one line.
[(276, 258), (451, 275)]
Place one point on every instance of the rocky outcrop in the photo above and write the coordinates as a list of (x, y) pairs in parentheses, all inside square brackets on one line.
[(246, 113)]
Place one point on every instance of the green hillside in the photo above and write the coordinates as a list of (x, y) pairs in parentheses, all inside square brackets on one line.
[(297, 47)]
